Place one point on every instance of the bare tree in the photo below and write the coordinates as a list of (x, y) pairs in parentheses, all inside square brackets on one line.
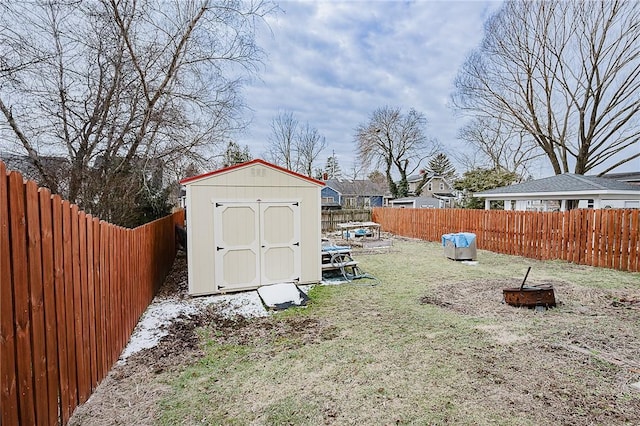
[(282, 141), (294, 146), (124, 87), (310, 144), (566, 73), (396, 142), (500, 146)]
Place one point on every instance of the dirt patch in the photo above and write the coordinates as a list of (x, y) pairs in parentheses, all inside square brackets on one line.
[(484, 298), (176, 284)]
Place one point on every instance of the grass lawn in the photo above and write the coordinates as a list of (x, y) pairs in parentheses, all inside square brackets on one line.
[(432, 343)]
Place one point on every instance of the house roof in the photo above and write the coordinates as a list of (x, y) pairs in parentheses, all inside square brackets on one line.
[(26, 166), (564, 183), (192, 179), (363, 187), (418, 177), (444, 194), (625, 177), (418, 201), (414, 178)]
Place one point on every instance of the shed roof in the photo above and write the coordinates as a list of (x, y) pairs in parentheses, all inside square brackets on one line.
[(564, 183), (190, 180)]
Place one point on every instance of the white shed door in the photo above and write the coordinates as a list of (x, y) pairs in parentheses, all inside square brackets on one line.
[(237, 246), (256, 244), (280, 242)]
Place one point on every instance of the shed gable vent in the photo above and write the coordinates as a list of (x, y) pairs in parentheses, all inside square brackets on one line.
[(258, 172)]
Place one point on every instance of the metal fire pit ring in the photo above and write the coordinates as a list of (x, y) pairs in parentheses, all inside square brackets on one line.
[(530, 297)]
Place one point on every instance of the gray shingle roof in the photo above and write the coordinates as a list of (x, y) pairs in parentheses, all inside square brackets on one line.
[(625, 176), (567, 182), (356, 187), (420, 201)]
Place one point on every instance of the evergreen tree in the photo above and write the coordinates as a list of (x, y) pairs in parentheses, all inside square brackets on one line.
[(332, 168), (235, 155), (440, 165), (478, 180)]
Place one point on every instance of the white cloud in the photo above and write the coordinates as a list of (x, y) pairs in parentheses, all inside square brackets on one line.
[(332, 63)]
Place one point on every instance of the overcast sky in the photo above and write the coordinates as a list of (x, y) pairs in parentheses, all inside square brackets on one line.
[(332, 63)]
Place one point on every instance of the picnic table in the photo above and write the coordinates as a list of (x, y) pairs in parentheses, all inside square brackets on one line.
[(358, 225), (338, 258)]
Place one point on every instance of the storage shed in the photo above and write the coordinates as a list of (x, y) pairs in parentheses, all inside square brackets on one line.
[(252, 224)]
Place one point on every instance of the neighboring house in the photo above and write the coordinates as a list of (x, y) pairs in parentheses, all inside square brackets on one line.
[(435, 187), (155, 174), (353, 194), (58, 167), (418, 203), (632, 178), (563, 192)]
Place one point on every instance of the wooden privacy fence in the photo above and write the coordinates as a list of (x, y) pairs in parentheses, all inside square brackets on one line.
[(72, 288), (330, 218), (605, 238)]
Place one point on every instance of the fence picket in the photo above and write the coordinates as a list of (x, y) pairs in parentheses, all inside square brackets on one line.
[(601, 232), (611, 232), (48, 276), (97, 371), (634, 242), (18, 222), (90, 313), (36, 302), (60, 308), (8, 379), (624, 240), (85, 368), (618, 241), (102, 304)]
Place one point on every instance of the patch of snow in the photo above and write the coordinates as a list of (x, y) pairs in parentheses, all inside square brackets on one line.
[(246, 304), (334, 281), (305, 288), (636, 385), (154, 323)]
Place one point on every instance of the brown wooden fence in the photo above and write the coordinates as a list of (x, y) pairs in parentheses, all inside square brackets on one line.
[(330, 218), (605, 238), (72, 288)]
